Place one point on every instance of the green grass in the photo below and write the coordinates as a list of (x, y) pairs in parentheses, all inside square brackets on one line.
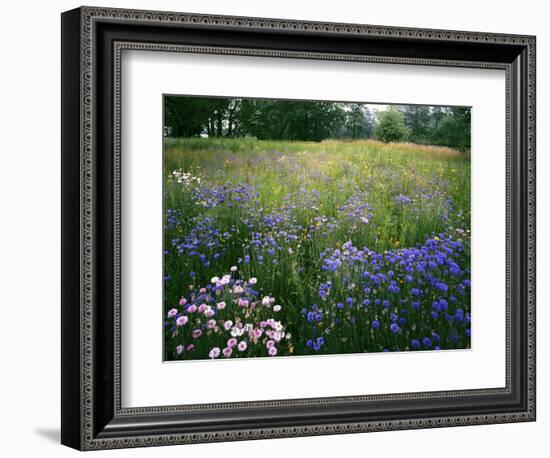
[(326, 194)]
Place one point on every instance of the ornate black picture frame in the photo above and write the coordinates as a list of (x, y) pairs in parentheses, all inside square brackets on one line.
[(92, 42)]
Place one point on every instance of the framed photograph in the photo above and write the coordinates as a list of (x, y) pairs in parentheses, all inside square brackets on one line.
[(276, 228)]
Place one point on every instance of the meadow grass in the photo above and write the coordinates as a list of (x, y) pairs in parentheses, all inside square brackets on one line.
[(337, 246)]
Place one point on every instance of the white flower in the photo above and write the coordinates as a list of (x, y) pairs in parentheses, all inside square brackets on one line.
[(214, 280), (214, 353), (266, 300), (253, 281), (277, 308), (233, 269), (236, 332)]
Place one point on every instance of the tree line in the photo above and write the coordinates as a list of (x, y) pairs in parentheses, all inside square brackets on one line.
[(268, 119)]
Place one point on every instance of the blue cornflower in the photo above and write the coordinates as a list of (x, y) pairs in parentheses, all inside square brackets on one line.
[(394, 328), (415, 305), (427, 342), (385, 303), (415, 292), (309, 343), (340, 306), (415, 343), (375, 324)]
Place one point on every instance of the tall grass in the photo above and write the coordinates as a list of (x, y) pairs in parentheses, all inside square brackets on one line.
[(296, 216)]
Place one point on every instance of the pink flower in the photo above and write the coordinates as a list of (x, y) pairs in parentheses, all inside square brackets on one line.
[(190, 347), (202, 290), (277, 308), (232, 342), (238, 290), (214, 353), (192, 308), (202, 308), (266, 300), (272, 351), (183, 301), (221, 305), (196, 333), (253, 281), (172, 313), (179, 349), (211, 324), (243, 303), (228, 325), (270, 343), (263, 324), (242, 345), (227, 352), (209, 312), (182, 320)]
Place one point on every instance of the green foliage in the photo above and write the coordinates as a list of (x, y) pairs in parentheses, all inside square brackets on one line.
[(391, 126), (445, 126), (453, 129), (296, 120)]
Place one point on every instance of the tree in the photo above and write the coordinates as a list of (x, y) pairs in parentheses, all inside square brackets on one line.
[(390, 126), (419, 121), (454, 129)]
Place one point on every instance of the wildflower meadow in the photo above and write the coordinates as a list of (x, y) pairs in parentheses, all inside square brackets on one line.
[(282, 247)]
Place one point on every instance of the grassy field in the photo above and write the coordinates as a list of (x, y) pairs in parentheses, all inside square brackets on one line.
[(301, 248)]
